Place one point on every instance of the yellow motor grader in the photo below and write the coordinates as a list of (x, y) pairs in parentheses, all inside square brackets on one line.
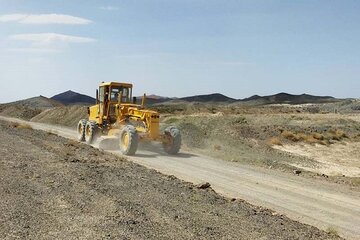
[(117, 115)]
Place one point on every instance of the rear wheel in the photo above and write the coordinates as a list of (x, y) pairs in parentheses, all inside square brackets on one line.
[(81, 130), (129, 140), (173, 140), (90, 132)]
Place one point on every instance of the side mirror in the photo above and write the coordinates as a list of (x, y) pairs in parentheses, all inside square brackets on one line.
[(134, 100), (97, 96), (143, 100)]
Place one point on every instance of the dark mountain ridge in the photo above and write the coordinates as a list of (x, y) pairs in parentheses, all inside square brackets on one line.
[(214, 97), (286, 98), (70, 98)]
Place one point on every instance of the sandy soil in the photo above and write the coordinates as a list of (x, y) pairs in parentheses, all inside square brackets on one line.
[(342, 158), (324, 205), (55, 188)]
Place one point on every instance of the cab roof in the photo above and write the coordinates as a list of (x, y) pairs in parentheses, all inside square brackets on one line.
[(102, 84)]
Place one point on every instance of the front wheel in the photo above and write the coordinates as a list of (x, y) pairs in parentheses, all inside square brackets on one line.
[(173, 140), (129, 140), (81, 130), (90, 132)]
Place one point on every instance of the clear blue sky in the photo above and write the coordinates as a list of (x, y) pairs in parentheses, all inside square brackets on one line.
[(180, 47)]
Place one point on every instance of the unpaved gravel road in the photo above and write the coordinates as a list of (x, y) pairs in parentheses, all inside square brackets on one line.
[(317, 203)]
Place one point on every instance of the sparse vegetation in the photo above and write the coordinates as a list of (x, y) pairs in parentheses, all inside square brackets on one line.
[(290, 136), (275, 141), (217, 147), (314, 137), (336, 135)]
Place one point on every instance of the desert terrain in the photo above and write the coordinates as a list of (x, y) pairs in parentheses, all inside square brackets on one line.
[(53, 187), (300, 160)]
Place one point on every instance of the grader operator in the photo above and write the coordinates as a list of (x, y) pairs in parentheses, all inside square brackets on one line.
[(117, 115)]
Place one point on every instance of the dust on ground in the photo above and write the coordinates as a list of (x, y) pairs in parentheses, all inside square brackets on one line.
[(342, 158), (57, 188), (246, 138)]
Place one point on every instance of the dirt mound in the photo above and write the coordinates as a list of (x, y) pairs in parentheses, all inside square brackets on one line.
[(40, 102), (19, 112), (28, 108), (65, 115)]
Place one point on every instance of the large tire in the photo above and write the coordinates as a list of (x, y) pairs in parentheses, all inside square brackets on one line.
[(173, 143), (128, 140), (90, 132), (81, 130)]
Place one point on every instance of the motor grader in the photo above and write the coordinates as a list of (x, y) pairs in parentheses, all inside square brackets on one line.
[(118, 116)]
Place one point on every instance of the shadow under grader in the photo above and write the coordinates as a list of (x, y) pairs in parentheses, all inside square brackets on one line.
[(145, 149), (156, 149), (154, 155)]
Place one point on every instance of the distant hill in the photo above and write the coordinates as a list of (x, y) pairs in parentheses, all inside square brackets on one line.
[(71, 98), (153, 96), (28, 108), (153, 99), (40, 102), (285, 98), (215, 97), (280, 98)]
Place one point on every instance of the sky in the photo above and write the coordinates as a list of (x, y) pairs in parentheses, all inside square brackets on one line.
[(179, 48)]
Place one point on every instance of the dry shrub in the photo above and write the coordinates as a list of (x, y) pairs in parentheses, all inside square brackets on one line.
[(217, 147), (341, 134), (324, 142), (290, 136), (310, 139), (318, 136), (302, 136), (22, 126), (313, 138), (275, 141), (336, 135)]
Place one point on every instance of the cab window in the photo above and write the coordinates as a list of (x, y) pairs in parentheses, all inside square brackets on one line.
[(115, 92), (101, 94)]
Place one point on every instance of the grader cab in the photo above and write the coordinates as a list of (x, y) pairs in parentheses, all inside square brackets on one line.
[(117, 115)]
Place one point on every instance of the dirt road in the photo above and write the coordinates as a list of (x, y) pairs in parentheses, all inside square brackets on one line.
[(320, 204)]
